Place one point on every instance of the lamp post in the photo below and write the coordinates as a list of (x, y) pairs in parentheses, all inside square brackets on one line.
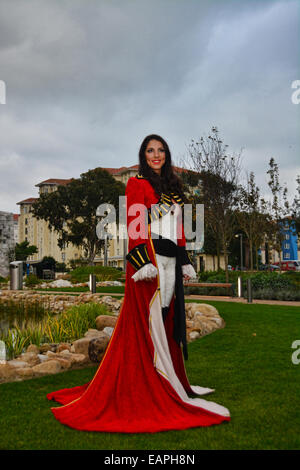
[(240, 235)]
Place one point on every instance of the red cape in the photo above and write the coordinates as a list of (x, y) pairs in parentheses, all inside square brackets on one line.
[(141, 383)]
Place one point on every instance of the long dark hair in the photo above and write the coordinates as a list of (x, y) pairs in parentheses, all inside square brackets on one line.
[(166, 182)]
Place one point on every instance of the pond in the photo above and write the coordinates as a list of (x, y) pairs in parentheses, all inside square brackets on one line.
[(20, 313)]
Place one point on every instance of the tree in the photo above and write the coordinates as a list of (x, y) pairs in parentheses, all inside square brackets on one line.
[(219, 174), (279, 207), (252, 216), (295, 209), (71, 210), (23, 250)]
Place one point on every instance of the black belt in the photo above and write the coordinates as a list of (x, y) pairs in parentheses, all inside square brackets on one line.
[(165, 247)]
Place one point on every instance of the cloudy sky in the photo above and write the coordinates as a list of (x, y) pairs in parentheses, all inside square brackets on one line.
[(87, 80)]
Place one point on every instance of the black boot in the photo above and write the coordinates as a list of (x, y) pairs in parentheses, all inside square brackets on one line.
[(165, 311)]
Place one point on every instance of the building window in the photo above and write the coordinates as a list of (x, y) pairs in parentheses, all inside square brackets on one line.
[(286, 246), (26, 231), (287, 237), (287, 255), (63, 256), (26, 221)]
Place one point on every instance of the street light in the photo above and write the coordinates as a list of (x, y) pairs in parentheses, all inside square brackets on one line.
[(241, 247)]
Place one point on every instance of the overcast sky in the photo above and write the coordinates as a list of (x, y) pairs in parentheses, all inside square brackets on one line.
[(87, 80)]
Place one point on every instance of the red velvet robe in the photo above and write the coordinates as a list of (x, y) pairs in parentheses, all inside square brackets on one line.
[(130, 391)]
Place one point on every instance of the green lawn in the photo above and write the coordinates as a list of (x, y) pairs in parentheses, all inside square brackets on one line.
[(253, 376)]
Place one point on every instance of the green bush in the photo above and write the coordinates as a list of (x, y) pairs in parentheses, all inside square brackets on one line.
[(103, 273), (32, 280)]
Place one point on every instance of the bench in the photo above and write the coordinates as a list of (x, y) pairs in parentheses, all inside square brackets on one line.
[(210, 284)]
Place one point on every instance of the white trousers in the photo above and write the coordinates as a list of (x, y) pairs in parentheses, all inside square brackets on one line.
[(166, 268)]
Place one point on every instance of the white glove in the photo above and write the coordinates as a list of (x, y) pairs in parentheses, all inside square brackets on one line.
[(147, 271), (189, 270)]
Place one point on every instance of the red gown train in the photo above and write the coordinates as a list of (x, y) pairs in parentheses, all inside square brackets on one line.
[(141, 383)]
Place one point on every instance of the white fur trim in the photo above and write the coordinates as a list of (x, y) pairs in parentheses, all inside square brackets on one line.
[(147, 271), (189, 270), (164, 365)]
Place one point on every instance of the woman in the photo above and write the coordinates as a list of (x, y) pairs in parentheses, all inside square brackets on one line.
[(141, 383)]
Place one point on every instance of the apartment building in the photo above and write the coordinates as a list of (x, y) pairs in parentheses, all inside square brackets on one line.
[(7, 240), (37, 232)]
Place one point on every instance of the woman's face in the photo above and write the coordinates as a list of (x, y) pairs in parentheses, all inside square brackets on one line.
[(155, 155)]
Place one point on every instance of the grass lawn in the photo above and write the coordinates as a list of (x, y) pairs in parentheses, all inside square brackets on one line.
[(253, 376)]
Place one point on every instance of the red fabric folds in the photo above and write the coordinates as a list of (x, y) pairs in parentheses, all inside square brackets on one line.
[(127, 394)]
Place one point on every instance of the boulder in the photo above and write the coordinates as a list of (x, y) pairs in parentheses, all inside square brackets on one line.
[(25, 372), (33, 348), (91, 333), (108, 330), (17, 364), (7, 372), (49, 367), (43, 357), (30, 357), (105, 320), (63, 346), (97, 348), (45, 347), (81, 346), (74, 358)]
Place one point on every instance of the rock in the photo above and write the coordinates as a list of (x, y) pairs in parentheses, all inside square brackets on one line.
[(111, 303), (33, 348), (15, 363), (194, 335), (105, 320), (74, 358), (64, 362), (91, 333), (30, 357), (25, 372), (49, 367), (81, 346), (63, 346), (202, 319), (97, 348), (45, 347), (7, 372), (108, 330), (60, 283), (43, 357), (79, 358)]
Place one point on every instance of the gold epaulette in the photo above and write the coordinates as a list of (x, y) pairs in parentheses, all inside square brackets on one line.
[(138, 256), (163, 206), (139, 177)]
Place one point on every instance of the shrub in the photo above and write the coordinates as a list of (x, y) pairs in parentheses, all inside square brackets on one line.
[(32, 280), (103, 273)]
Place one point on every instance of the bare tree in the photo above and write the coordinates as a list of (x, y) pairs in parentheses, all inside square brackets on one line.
[(252, 216), (279, 207), (219, 174)]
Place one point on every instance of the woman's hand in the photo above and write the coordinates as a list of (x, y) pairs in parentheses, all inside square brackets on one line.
[(146, 273), (188, 272)]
